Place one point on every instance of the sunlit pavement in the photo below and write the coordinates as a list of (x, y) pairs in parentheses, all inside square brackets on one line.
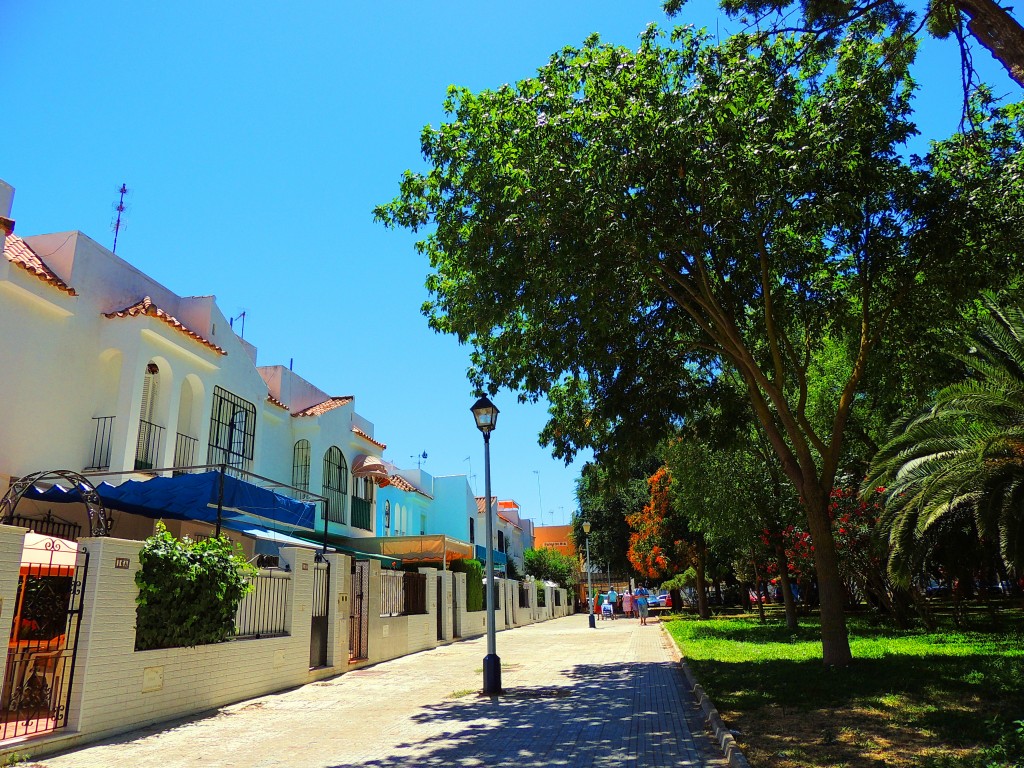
[(574, 696)]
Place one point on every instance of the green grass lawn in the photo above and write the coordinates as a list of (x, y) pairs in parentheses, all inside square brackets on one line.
[(910, 698)]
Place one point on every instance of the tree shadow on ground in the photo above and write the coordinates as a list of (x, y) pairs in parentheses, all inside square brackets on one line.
[(632, 715)]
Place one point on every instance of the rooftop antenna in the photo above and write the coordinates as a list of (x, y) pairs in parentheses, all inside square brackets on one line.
[(241, 317), (420, 459), (120, 208), (540, 499)]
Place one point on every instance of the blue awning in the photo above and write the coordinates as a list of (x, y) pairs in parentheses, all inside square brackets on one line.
[(499, 557), (194, 497)]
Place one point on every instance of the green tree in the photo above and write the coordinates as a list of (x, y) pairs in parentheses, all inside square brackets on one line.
[(615, 231), (962, 460), (605, 499), (989, 23), (549, 564)]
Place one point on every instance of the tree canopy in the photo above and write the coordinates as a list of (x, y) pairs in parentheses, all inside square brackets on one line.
[(619, 230)]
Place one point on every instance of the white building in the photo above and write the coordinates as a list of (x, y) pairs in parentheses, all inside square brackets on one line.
[(106, 369)]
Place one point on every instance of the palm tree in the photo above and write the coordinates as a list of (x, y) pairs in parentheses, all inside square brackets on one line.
[(960, 465)]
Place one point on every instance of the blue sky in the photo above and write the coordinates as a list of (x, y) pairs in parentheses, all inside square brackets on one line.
[(256, 137)]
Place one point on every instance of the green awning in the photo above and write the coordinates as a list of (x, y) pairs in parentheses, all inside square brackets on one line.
[(340, 543)]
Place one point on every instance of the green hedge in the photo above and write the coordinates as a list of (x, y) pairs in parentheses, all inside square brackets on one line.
[(474, 582), (189, 591)]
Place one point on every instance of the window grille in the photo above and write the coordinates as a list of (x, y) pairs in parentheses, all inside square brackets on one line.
[(335, 485), (300, 465), (232, 430)]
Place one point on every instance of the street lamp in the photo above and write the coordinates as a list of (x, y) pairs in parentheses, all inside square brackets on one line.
[(486, 416), (590, 601)]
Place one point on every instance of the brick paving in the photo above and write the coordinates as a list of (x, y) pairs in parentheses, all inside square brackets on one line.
[(612, 696)]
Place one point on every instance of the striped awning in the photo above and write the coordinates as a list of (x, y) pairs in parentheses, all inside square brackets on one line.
[(371, 467)]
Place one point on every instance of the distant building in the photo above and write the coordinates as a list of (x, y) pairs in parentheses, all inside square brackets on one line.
[(557, 537)]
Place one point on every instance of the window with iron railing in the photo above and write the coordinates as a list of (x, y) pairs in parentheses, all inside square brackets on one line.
[(335, 485), (232, 431), (300, 465), (362, 503)]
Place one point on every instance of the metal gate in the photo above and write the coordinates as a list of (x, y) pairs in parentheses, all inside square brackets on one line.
[(455, 608), (358, 626), (40, 666), (440, 605), (321, 609)]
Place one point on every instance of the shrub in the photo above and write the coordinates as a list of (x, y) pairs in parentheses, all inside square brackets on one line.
[(189, 591), (474, 582)]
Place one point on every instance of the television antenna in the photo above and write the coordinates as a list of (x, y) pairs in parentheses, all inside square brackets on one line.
[(120, 208), (419, 459)]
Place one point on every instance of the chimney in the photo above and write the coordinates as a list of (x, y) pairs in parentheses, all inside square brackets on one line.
[(6, 203)]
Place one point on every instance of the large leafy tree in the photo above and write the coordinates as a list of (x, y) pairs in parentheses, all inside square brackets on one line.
[(617, 230), (960, 464), (605, 500), (992, 25)]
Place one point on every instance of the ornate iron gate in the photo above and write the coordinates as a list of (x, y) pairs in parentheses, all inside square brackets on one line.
[(321, 610), (44, 637), (359, 629)]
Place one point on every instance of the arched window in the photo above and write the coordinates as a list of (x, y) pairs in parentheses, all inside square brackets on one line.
[(300, 465), (335, 485), (147, 447)]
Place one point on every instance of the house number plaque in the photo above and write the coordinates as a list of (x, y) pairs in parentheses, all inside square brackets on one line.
[(121, 562)]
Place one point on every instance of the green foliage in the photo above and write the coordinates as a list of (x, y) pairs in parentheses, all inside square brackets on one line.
[(605, 500), (548, 564), (962, 460), (189, 591), (541, 594), (474, 571), (681, 581)]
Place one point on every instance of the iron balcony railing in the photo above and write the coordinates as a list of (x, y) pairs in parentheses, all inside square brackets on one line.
[(147, 449), (361, 513), (104, 428), (185, 452)]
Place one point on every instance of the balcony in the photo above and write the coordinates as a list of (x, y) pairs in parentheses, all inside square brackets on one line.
[(103, 428), (147, 449), (361, 516), (185, 452)]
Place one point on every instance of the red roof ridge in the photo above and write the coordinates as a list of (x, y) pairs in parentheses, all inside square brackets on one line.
[(145, 306), (274, 401), (20, 253), (366, 437), (327, 405), (402, 484)]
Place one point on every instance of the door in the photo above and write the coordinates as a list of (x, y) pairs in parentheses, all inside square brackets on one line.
[(359, 617), (321, 610), (41, 650)]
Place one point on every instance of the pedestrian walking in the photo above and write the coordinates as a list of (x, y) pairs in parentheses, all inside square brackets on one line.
[(613, 598), (627, 603), (642, 597)]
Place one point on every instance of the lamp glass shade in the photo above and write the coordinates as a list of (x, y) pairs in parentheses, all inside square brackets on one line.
[(586, 528), (486, 414)]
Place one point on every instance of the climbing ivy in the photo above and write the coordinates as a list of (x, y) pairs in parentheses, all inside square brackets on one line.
[(189, 591)]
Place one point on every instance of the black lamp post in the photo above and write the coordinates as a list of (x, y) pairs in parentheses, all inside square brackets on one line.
[(590, 601), (486, 416)]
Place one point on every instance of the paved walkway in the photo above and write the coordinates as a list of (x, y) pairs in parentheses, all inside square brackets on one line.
[(611, 696)]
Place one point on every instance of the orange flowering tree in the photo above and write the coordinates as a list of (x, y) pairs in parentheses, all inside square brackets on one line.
[(657, 545)]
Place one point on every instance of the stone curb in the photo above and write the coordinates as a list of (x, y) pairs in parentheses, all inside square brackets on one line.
[(723, 735), (726, 741)]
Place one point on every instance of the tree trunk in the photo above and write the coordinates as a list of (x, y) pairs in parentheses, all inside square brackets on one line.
[(757, 590), (787, 591), (835, 642), (702, 586), (1000, 33)]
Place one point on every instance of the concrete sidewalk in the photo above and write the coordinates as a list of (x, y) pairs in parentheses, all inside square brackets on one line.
[(611, 696)]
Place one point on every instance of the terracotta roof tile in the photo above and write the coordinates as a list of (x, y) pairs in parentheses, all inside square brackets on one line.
[(366, 437), (147, 307), (327, 405), (274, 401), (481, 506), (402, 484), (18, 252)]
